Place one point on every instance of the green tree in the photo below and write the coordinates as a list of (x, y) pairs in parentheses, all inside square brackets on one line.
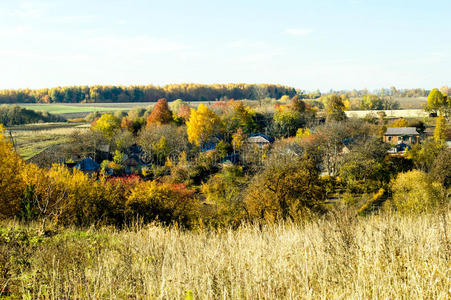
[(223, 191), (286, 123)]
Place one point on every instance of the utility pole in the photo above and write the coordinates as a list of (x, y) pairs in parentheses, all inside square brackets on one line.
[(12, 140)]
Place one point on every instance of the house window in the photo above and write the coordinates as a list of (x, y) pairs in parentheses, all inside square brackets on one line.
[(389, 138)]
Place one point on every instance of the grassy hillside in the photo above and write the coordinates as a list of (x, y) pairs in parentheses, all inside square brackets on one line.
[(379, 257), (31, 139)]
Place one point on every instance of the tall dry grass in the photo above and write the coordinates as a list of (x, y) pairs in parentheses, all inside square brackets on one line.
[(339, 257)]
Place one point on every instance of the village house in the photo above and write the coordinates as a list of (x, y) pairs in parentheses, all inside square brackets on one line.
[(260, 140), (398, 135), (88, 165)]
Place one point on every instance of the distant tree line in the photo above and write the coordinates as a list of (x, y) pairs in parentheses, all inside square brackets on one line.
[(382, 93), (16, 115), (146, 93)]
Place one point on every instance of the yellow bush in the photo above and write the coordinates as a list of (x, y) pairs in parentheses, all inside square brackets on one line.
[(413, 192), (11, 184), (164, 202)]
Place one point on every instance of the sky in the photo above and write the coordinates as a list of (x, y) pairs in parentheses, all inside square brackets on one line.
[(322, 44)]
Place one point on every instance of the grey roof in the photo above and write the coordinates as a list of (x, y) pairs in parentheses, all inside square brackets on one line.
[(402, 131), (260, 138)]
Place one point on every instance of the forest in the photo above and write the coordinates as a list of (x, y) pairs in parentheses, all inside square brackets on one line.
[(146, 93), (186, 92)]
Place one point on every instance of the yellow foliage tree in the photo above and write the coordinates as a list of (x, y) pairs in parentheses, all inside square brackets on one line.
[(11, 184), (201, 125), (165, 202), (441, 128), (108, 125), (401, 122)]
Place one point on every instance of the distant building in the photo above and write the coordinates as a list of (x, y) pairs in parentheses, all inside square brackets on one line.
[(397, 135), (260, 140)]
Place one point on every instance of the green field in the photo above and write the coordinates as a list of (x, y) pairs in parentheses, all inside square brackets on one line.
[(80, 110), (67, 109)]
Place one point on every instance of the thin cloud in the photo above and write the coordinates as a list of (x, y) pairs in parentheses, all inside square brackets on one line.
[(26, 10), (74, 19), (137, 45), (14, 31), (246, 44), (298, 31)]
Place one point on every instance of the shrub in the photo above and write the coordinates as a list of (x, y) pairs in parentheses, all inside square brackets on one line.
[(167, 203), (11, 184), (413, 192), (287, 188)]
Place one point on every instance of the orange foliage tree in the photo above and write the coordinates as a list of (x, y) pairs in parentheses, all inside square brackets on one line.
[(161, 114)]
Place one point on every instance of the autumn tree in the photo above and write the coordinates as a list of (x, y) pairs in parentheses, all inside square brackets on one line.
[(335, 108), (435, 100), (297, 104), (423, 155), (159, 142), (223, 192), (364, 167), (441, 168), (108, 125), (132, 125), (372, 102), (238, 139), (441, 129), (288, 187), (401, 122), (201, 125), (11, 184), (161, 114), (167, 203), (286, 123), (184, 112), (413, 192)]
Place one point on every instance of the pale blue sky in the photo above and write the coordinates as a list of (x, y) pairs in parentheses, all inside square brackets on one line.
[(306, 44)]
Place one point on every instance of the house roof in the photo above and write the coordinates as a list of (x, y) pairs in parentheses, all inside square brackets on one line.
[(260, 138), (401, 131), (87, 164)]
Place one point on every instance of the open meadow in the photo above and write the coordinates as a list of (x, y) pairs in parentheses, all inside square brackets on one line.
[(31, 139), (80, 110), (342, 256)]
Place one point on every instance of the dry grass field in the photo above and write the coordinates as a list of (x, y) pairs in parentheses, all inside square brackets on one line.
[(340, 257), (32, 139)]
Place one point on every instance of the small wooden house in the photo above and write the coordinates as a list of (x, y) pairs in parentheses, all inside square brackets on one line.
[(260, 140), (407, 135)]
